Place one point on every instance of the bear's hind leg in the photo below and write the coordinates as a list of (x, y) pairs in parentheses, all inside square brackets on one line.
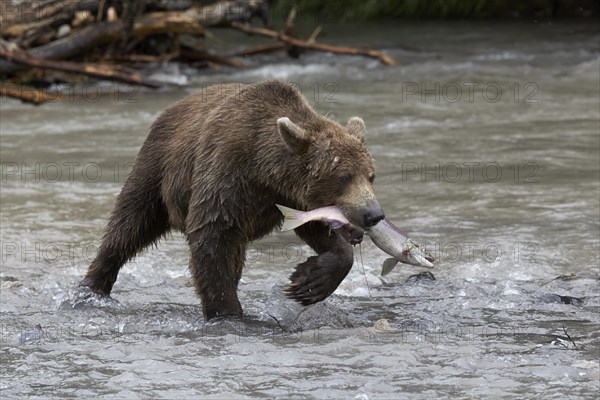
[(216, 264), (139, 219), (316, 278)]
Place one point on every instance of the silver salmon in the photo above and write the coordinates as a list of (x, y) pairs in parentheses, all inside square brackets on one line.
[(331, 215), (391, 239), (387, 236)]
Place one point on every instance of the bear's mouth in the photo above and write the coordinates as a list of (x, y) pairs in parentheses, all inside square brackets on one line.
[(352, 234)]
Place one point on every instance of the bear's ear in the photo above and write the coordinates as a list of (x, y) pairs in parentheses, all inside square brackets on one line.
[(356, 127), (294, 137)]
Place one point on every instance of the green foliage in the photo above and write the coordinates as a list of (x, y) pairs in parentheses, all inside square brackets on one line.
[(355, 10)]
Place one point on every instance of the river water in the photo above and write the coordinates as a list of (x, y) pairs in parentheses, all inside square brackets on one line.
[(486, 140)]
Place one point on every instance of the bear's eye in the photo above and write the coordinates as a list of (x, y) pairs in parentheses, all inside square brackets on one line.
[(345, 179), (372, 178)]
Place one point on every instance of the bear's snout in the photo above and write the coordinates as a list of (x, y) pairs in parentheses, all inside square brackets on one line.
[(373, 214)]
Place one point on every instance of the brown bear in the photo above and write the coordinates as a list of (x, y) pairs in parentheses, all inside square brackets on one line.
[(213, 167)]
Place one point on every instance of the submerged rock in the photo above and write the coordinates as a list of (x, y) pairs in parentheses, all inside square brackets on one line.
[(320, 315), (425, 276), (556, 298), (383, 325)]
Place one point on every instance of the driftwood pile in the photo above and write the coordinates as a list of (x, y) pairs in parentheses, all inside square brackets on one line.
[(46, 41)]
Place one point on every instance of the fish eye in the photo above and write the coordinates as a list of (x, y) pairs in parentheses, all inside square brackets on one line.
[(345, 179)]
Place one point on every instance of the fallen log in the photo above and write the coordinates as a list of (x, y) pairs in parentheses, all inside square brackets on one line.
[(96, 71), (76, 43), (190, 21), (16, 16), (49, 15), (224, 12), (106, 32), (313, 45), (168, 22), (31, 11)]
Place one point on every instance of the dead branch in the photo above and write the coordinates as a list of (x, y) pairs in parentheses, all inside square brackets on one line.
[(146, 58), (313, 36), (292, 51), (247, 28), (569, 337), (27, 94), (262, 49)]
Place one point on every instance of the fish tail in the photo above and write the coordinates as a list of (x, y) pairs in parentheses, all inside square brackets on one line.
[(292, 218)]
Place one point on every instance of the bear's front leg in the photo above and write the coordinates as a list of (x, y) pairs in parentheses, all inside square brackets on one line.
[(216, 263), (316, 278)]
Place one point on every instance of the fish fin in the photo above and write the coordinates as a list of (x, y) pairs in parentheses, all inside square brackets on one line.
[(292, 218), (388, 266)]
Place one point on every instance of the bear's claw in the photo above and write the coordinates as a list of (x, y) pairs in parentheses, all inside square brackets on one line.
[(315, 279), (305, 286)]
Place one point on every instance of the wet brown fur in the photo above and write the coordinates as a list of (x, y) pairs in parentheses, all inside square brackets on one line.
[(213, 167)]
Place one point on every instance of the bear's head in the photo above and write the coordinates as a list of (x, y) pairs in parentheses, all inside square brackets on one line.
[(333, 167)]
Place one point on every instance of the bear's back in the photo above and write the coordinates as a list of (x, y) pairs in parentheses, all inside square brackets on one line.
[(229, 125), (232, 107)]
